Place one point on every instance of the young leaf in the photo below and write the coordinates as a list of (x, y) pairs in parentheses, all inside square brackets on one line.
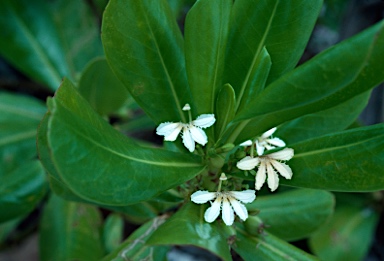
[(225, 108), (206, 32), (144, 48), (113, 232), (103, 166)]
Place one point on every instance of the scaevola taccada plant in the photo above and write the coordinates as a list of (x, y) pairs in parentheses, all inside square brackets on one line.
[(235, 111)]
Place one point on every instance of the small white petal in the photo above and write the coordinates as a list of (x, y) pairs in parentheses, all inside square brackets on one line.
[(276, 142), (167, 127), (198, 135), (285, 154), (246, 196), (201, 197), (239, 208), (283, 169), (247, 163), (188, 141), (204, 120), (213, 211), (273, 178), (173, 135), (227, 212), (261, 175), (260, 147), (268, 133), (246, 143)]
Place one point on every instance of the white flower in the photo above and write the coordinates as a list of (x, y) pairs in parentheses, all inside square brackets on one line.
[(268, 165), (192, 131), (227, 201), (265, 142)]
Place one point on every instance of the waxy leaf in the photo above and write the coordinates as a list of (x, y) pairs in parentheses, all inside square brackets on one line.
[(188, 227), (144, 48), (70, 231), (347, 236), (291, 215), (206, 32), (225, 108), (47, 40), (103, 166), (136, 247), (113, 232)]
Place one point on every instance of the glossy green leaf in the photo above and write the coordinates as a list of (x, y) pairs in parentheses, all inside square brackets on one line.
[(21, 190), (6, 228), (136, 247), (291, 215), (103, 166), (47, 40), (100, 87), (327, 80), (347, 236), (144, 48), (324, 122), (19, 119), (283, 27), (70, 231), (345, 161), (113, 232), (206, 33), (267, 247), (188, 227), (225, 108)]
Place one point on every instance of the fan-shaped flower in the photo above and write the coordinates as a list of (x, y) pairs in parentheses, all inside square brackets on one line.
[(265, 141)]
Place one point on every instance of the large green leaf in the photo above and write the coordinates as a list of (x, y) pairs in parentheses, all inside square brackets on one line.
[(144, 47), (347, 236), (267, 247), (327, 80), (136, 247), (188, 227), (103, 166), (347, 161), (225, 108), (47, 40), (70, 231), (283, 27), (21, 190), (206, 32), (291, 215)]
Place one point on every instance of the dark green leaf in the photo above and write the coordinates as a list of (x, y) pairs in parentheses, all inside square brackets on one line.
[(144, 47), (188, 227), (6, 228), (47, 40), (291, 215), (70, 231), (100, 87), (113, 232), (347, 236), (225, 108)]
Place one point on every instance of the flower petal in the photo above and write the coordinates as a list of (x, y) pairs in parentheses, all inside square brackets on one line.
[(273, 178), (245, 196), (246, 143), (261, 175), (167, 127), (247, 163), (268, 133), (227, 212), (188, 141), (283, 169), (285, 154), (198, 135), (276, 142), (213, 211), (260, 147), (201, 197), (239, 208), (204, 120)]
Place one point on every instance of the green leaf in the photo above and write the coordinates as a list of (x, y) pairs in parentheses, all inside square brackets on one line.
[(291, 215), (225, 108), (103, 166), (100, 87), (21, 190), (347, 236), (47, 40), (346, 161), (324, 122), (113, 232), (188, 227), (267, 247), (327, 80), (7, 228), (70, 231), (283, 27), (136, 247), (144, 48), (206, 33)]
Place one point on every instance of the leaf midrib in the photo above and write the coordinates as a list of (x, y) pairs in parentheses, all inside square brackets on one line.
[(21, 112), (17, 137)]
